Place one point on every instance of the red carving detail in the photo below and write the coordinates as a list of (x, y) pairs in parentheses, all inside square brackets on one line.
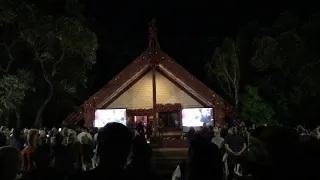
[(168, 107), (139, 112), (160, 108)]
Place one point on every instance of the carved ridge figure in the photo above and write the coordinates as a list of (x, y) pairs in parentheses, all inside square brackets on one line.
[(153, 33)]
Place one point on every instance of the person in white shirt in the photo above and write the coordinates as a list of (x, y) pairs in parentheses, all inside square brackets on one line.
[(218, 140)]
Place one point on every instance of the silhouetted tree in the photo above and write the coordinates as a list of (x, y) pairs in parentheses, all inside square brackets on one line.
[(224, 66)]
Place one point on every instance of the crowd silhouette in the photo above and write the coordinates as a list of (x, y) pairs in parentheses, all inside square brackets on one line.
[(118, 152)]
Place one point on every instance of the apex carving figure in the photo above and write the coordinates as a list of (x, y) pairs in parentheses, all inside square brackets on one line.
[(153, 33)]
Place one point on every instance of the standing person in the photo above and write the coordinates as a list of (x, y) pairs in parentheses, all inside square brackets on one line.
[(87, 151), (114, 146), (42, 155), (224, 131), (217, 139), (29, 165), (10, 163), (130, 126), (191, 134), (235, 145), (149, 131), (140, 159), (17, 140), (65, 135), (61, 158), (204, 161), (78, 130), (140, 128), (160, 127), (75, 152), (204, 131)]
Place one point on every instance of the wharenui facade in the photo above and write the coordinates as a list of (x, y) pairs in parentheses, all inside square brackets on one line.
[(153, 85)]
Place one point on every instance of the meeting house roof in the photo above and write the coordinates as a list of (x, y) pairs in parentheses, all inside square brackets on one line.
[(139, 67)]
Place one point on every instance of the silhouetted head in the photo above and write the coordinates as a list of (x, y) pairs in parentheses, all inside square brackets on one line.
[(3, 139), (32, 137), (16, 133), (141, 149), (58, 138), (95, 130), (114, 144), (307, 158), (216, 132), (204, 159), (43, 136), (10, 161), (198, 149), (234, 130), (84, 129), (191, 130), (280, 144)]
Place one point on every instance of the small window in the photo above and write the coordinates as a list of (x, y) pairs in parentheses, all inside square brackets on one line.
[(170, 119)]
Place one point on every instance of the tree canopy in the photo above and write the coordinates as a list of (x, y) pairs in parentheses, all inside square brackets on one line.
[(46, 51), (59, 50), (281, 61), (224, 66), (255, 109)]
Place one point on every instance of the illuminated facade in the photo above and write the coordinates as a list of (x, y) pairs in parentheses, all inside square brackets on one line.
[(153, 85)]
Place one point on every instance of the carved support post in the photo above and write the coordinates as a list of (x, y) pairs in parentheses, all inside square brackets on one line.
[(214, 111), (154, 96), (218, 111), (88, 115)]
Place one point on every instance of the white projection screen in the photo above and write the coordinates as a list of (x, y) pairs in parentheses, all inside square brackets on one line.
[(195, 117), (104, 116)]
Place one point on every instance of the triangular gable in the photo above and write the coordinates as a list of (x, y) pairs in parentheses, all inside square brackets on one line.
[(135, 96), (140, 94), (169, 92), (188, 81), (138, 68), (128, 75), (135, 70), (172, 70)]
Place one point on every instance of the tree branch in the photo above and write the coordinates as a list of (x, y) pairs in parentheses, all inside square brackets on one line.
[(228, 83), (307, 66), (229, 93), (45, 75), (224, 67), (11, 58), (49, 97), (237, 66), (226, 75), (55, 65)]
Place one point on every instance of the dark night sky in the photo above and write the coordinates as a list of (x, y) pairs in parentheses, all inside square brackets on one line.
[(187, 32)]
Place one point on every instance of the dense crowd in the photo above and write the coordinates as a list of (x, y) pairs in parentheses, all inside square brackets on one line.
[(249, 152), (64, 153), (119, 152), (46, 151)]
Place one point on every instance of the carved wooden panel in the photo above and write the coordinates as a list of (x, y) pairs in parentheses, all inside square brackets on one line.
[(169, 107), (139, 112)]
